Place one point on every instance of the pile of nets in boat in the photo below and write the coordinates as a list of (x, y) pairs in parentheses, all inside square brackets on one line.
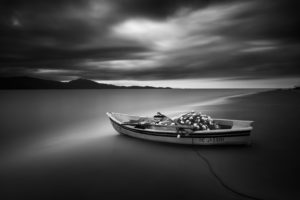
[(195, 120), (198, 121)]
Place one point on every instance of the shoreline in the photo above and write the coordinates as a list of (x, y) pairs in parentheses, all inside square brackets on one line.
[(225, 99), (208, 103)]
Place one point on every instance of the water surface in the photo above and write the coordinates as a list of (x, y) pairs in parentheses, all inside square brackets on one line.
[(60, 144)]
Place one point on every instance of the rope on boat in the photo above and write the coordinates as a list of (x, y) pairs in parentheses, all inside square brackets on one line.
[(220, 180)]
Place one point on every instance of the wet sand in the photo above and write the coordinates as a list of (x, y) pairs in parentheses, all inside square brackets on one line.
[(75, 161), (269, 168)]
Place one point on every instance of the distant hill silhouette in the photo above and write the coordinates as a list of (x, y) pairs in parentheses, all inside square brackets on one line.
[(84, 84), (24, 82)]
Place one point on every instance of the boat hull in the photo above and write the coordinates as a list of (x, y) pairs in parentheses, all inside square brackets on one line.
[(233, 138)]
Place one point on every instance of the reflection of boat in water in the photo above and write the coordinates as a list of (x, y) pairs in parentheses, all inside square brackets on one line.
[(230, 132)]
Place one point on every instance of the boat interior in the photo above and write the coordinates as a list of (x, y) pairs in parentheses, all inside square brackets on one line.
[(139, 122)]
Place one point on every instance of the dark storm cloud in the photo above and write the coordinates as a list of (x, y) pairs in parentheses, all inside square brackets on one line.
[(157, 8), (150, 39), (53, 34), (267, 19)]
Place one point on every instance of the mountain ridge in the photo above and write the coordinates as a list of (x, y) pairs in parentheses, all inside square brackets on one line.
[(26, 82)]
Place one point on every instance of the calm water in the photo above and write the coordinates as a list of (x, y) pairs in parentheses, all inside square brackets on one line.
[(59, 118), (60, 144)]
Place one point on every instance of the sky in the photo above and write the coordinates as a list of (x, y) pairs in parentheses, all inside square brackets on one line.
[(173, 43)]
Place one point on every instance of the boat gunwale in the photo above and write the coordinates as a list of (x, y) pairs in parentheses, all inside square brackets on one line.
[(174, 135)]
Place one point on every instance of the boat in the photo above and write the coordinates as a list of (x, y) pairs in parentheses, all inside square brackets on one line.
[(231, 132)]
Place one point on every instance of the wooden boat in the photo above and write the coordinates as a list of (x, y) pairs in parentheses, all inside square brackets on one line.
[(233, 132)]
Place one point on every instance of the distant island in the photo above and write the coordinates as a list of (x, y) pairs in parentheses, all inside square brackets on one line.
[(23, 82)]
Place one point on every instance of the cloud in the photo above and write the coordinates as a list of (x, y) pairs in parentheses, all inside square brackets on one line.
[(198, 43), (150, 40)]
